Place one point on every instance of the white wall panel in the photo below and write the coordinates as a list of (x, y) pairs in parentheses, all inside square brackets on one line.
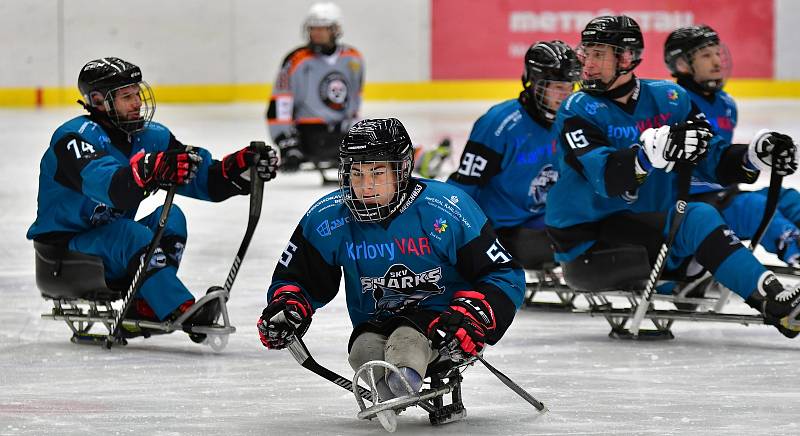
[(237, 41), (393, 36), (175, 41), (194, 41), (29, 43), (787, 31)]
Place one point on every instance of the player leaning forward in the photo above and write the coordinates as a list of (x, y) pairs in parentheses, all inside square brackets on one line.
[(423, 268), (611, 192), (101, 165)]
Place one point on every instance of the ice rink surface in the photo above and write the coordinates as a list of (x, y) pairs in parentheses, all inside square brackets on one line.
[(712, 379)]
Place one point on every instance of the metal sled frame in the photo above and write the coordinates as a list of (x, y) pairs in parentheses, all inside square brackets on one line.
[(545, 280), (708, 309), (81, 315), (431, 399)]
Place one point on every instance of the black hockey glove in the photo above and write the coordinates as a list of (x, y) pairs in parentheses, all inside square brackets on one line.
[(236, 166), (287, 315), (162, 169), (773, 151), (291, 156), (682, 142), (460, 331)]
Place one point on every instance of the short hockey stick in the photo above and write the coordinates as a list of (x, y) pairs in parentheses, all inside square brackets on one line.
[(515, 387), (301, 354), (256, 199), (684, 179), (138, 277), (773, 194)]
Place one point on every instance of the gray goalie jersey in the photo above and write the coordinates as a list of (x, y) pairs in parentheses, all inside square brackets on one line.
[(314, 88)]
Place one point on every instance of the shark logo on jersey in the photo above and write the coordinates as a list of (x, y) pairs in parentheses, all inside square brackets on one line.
[(333, 91), (540, 185), (732, 238), (102, 215), (177, 252), (630, 197), (158, 261), (401, 287)]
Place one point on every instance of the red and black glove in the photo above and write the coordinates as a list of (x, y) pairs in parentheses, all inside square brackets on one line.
[(460, 331), (236, 166), (162, 169), (287, 315)]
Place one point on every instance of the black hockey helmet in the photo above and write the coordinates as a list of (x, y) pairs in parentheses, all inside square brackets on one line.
[(622, 33), (380, 140), (545, 62), (106, 75), (682, 43)]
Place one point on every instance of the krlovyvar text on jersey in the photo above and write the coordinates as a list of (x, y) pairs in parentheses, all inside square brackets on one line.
[(363, 250), (632, 132)]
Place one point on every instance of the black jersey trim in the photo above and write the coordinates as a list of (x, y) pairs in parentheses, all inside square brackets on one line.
[(303, 264), (478, 164), (731, 168), (620, 175)]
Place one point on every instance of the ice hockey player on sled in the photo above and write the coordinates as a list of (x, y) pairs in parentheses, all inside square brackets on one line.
[(509, 163), (611, 193), (100, 166), (317, 94), (701, 63), (424, 272)]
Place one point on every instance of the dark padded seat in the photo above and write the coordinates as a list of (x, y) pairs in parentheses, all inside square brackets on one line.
[(63, 274), (531, 248), (620, 268)]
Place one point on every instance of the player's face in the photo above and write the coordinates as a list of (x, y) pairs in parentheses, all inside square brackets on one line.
[(707, 64), (603, 61), (373, 183), (320, 35), (555, 93), (128, 103), (599, 62)]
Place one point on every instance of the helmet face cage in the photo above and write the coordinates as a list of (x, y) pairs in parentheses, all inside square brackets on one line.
[(542, 97), (359, 176), (547, 63), (146, 110), (623, 34), (618, 55)]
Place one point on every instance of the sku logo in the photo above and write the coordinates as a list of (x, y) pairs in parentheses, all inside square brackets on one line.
[(440, 225)]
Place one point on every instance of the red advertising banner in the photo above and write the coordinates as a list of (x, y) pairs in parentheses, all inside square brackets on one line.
[(487, 39)]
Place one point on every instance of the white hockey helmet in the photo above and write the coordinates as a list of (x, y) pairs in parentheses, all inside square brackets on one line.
[(324, 14)]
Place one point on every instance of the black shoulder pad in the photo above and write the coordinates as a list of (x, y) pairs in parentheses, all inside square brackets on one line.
[(73, 153)]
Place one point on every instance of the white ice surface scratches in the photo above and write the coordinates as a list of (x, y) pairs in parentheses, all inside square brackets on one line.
[(712, 379)]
